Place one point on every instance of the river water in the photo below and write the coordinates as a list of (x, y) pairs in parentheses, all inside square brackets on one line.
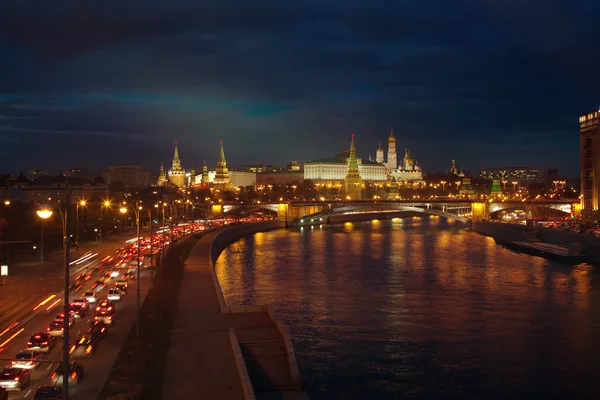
[(419, 308)]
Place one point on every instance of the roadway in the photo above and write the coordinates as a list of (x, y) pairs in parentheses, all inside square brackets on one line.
[(44, 282)]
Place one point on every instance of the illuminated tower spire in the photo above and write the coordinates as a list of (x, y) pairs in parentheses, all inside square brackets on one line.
[(453, 169), (162, 177), (392, 158), (205, 179), (177, 173), (222, 180), (353, 180), (379, 157)]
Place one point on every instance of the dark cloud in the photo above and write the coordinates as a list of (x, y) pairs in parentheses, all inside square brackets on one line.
[(485, 81)]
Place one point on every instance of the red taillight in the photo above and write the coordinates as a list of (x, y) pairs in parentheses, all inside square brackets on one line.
[(17, 379), (72, 349), (13, 362), (44, 343), (73, 375), (29, 343), (54, 375)]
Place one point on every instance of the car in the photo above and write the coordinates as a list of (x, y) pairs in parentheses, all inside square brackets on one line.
[(14, 378), (97, 329), (76, 311), (106, 315), (56, 329), (75, 374), (83, 346), (41, 341), (91, 297), (104, 304), (122, 284), (114, 273), (27, 359), (99, 285), (61, 317), (48, 393), (114, 294), (82, 302)]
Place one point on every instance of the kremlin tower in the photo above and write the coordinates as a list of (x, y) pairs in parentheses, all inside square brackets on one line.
[(353, 179), (392, 160), (205, 179), (379, 157), (177, 173), (162, 178), (222, 180)]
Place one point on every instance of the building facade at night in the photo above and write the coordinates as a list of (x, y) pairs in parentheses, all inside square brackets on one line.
[(130, 175), (522, 175), (589, 150)]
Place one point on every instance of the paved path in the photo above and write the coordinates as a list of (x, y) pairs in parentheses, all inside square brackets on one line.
[(200, 362)]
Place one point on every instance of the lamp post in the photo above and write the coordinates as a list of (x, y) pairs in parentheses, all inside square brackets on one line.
[(136, 210), (105, 204), (82, 203), (45, 212)]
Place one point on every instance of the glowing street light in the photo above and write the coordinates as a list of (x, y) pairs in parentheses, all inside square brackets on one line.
[(44, 213)]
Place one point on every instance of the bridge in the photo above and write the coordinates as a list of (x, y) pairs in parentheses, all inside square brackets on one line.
[(315, 212)]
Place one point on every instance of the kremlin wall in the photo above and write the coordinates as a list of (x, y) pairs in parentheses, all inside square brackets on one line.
[(345, 171)]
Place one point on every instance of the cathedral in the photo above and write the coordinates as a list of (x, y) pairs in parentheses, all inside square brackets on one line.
[(407, 170)]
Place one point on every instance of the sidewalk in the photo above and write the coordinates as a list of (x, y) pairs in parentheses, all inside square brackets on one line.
[(200, 362)]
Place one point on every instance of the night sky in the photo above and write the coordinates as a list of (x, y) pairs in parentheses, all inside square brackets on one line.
[(492, 83)]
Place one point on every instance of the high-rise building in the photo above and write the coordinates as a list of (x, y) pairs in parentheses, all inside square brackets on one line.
[(222, 180), (353, 180), (392, 159), (177, 173), (589, 150)]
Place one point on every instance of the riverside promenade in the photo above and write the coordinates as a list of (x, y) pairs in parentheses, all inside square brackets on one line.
[(215, 349)]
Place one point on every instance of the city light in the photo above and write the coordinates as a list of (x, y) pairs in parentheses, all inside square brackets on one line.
[(44, 213)]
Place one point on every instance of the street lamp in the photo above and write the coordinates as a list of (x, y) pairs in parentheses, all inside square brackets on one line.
[(136, 210), (45, 212), (82, 203), (105, 204)]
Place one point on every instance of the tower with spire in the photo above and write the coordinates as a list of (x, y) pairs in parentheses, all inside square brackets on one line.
[(353, 180), (392, 158), (177, 173), (379, 157), (162, 177), (222, 180), (192, 181), (205, 179), (453, 169)]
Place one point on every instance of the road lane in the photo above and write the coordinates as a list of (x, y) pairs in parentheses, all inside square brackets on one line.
[(97, 368)]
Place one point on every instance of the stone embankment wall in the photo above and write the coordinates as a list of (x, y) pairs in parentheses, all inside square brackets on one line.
[(358, 217), (502, 232), (590, 245)]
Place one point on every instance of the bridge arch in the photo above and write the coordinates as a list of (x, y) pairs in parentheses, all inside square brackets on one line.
[(373, 208)]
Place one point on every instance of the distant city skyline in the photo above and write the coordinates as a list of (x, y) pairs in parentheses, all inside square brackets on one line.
[(487, 83)]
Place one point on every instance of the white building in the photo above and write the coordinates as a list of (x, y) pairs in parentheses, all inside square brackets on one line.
[(336, 168)]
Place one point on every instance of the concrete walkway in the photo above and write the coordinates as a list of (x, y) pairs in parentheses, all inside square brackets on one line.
[(200, 363)]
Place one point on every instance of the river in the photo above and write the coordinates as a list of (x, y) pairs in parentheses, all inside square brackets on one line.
[(420, 308)]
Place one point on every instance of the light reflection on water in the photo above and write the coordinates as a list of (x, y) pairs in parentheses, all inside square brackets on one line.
[(415, 309)]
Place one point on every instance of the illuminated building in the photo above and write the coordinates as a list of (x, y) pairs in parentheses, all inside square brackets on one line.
[(204, 180), (177, 173), (353, 181), (392, 159), (496, 188), (453, 169), (222, 181), (519, 174), (379, 156), (162, 176), (589, 150), (466, 190), (408, 171)]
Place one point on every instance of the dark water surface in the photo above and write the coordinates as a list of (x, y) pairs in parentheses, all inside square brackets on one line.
[(413, 308)]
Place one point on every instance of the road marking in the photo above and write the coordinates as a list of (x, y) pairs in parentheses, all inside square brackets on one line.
[(22, 288), (41, 279), (8, 296), (49, 366), (27, 394)]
